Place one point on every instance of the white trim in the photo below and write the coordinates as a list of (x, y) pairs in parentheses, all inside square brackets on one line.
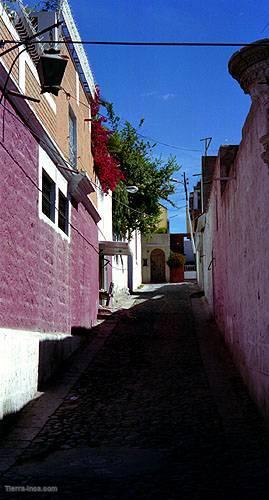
[(77, 87), (90, 123), (33, 69), (71, 26), (7, 22), (22, 80), (45, 163)]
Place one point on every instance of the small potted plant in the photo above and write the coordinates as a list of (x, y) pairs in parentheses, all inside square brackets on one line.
[(176, 263)]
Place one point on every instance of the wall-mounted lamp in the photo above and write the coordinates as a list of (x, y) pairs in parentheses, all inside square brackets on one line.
[(51, 67)]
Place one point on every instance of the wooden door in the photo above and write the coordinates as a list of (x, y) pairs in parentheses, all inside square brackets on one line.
[(157, 266)]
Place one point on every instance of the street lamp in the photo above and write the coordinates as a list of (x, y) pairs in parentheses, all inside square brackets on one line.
[(50, 67), (132, 189), (177, 181)]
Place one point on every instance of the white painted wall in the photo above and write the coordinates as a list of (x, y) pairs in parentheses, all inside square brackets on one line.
[(120, 275), (119, 262), (104, 205), (208, 255), (27, 359), (200, 250), (18, 370), (150, 243), (120, 265), (136, 247)]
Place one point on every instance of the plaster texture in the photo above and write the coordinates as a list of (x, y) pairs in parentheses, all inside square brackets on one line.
[(49, 283), (18, 370), (236, 236)]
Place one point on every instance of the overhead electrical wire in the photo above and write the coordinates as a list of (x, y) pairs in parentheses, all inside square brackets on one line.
[(182, 148), (3, 42), (97, 251), (69, 168), (143, 43)]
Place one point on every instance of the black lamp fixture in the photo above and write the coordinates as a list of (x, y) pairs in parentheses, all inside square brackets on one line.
[(51, 67)]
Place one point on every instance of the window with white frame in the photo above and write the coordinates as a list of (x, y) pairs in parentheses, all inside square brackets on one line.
[(54, 205), (48, 196), (62, 212), (72, 138)]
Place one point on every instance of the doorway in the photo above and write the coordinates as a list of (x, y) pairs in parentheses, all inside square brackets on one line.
[(157, 266)]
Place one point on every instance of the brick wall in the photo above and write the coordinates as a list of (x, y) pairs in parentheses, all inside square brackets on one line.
[(57, 123), (9, 58), (42, 109)]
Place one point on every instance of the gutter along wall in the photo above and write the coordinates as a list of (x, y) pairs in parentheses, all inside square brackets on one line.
[(236, 231)]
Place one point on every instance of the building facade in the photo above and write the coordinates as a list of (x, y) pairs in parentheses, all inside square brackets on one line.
[(156, 251), (232, 235), (49, 260), (120, 261)]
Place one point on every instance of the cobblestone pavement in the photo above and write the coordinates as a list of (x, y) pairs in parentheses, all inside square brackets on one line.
[(159, 412)]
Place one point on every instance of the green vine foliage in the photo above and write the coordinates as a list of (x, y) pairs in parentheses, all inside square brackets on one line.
[(140, 168)]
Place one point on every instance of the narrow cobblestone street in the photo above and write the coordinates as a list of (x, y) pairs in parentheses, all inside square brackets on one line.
[(159, 412)]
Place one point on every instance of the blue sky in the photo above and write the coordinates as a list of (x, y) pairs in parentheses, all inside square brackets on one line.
[(184, 94)]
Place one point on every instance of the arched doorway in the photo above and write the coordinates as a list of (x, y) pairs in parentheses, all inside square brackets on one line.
[(157, 266)]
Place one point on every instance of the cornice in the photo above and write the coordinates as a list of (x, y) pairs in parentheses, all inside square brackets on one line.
[(250, 67)]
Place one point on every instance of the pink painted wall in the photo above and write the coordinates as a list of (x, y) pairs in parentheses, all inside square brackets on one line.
[(47, 284), (85, 269), (238, 231)]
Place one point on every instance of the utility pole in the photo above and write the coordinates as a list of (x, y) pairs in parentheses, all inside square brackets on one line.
[(207, 141)]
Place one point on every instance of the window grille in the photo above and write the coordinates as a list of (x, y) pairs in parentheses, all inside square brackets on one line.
[(48, 196), (62, 212), (72, 138)]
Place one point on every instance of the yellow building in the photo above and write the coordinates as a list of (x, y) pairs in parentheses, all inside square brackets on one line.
[(163, 224), (156, 251)]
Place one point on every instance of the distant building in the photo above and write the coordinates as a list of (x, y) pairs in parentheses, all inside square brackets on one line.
[(156, 251)]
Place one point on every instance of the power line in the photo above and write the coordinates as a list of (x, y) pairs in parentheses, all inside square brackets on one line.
[(182, 148), (70, 169), (142, 44), (97, 251), (169, 145)]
